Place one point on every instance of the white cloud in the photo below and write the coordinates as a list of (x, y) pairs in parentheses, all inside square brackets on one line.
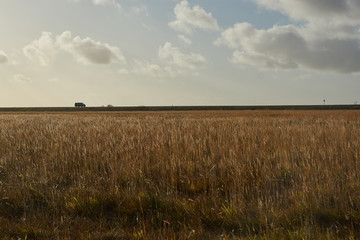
[(180, 59), (147, 27), (152, 70), (145, 68), (103, 3), (256, 59), (3, 57), (140, 9), (107, 2), (89, 51), (184, 39), (189, 18), (41, 50), (84, 50), (123, 71), (291, 47), (328, 39), (19, 78)]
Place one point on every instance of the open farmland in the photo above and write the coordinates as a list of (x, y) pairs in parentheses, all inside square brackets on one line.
[(180, 175)]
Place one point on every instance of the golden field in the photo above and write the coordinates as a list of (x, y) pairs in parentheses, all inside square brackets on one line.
[(180, 175)]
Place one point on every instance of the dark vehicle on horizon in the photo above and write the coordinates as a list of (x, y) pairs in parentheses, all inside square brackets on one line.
[(80, 104)]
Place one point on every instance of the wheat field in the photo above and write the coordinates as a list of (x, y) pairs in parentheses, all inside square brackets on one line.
[(180, 175)]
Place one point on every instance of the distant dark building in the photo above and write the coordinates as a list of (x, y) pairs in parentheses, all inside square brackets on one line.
[(80, 104)]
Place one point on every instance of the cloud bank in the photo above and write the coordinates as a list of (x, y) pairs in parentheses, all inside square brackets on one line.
[(86, 51), (336, 10), (326, 44), (89, 51), (173, 61), (188, 19)]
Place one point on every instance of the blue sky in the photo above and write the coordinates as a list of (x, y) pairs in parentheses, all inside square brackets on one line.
[(170, 52)]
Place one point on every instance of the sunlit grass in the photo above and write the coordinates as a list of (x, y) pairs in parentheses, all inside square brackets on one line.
[(185, 175)]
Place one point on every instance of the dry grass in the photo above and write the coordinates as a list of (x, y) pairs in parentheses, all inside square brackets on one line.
[(193, 175)]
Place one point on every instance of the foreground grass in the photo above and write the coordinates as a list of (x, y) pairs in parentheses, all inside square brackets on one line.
[(195, 175)]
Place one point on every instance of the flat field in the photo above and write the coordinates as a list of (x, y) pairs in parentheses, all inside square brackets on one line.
[(180, 175)]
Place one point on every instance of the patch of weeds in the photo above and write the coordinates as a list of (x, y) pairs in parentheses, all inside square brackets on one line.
[(138, 235), (229, 210), (27, 233)]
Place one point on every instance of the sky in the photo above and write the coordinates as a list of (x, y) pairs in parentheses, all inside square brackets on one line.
[(179, 52)]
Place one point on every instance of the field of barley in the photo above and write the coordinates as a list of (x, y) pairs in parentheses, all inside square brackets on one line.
[(180, 175)]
